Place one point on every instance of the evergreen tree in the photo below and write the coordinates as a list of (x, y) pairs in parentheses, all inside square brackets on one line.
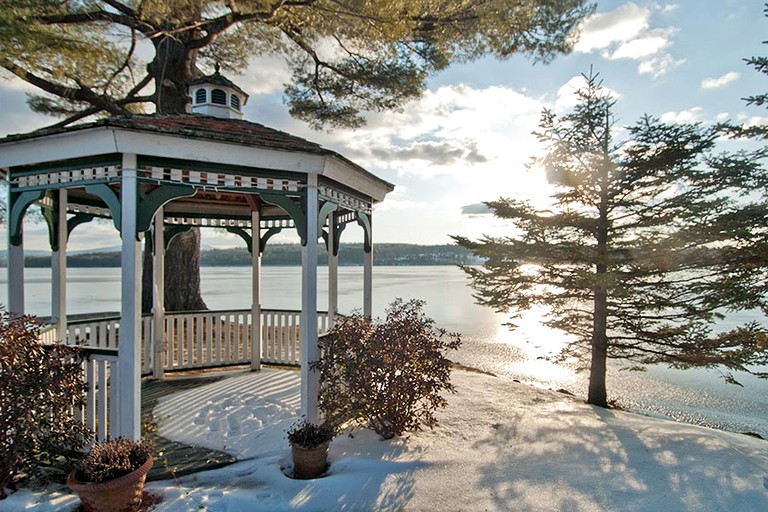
[(631, 257), (346, 58)]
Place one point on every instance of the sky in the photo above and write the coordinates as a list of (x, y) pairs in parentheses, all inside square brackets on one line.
[(469, 139)]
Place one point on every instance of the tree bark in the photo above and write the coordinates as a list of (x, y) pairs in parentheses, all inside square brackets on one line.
[(174, 66), (597, 393)]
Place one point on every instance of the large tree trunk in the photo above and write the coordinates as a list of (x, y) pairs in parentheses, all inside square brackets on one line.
[(173, 67), (597, 393)]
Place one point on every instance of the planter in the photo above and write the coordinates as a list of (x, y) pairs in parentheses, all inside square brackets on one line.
[(122, 494), (309, 462)]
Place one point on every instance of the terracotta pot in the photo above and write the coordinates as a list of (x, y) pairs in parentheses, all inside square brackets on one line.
[(309, 462), (122, 494)]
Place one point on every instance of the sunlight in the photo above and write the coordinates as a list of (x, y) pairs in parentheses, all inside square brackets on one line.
[(537, 341)]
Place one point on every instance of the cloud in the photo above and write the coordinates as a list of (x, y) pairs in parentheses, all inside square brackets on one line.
[(626, 33), (435, 153), (692, 115), (602, 30), (659, 66), (715, 83), (644, 46)]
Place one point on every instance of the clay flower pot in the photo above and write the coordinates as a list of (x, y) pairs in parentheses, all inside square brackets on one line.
[(309, 462), (122, 494)]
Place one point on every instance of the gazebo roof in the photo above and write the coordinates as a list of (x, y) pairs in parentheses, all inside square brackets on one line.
[(192, 137)]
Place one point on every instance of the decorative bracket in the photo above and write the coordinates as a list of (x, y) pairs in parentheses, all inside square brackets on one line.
[(149, 205), (297, 213), (242, 234), (325, 210), (365, 222), (110, 198), (20, 201), (269, 234), (79, 218)]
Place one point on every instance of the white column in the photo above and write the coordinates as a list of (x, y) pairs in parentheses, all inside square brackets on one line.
[(158, 294), (333, 272), (310, 382), (59, 270), (368, 278), (255, 291), (129, 353), (16, 276)]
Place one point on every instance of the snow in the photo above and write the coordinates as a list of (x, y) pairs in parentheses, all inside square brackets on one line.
[(500, 445)]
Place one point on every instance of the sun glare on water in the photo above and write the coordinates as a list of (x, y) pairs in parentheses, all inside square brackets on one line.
[(537, 341)]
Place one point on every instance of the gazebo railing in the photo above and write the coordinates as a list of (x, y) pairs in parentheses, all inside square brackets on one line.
[(199, 339), (193, 340)]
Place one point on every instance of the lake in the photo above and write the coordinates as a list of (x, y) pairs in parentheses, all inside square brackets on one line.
[(695, 396)]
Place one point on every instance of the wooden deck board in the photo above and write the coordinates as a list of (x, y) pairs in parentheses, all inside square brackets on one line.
[(179, 459)]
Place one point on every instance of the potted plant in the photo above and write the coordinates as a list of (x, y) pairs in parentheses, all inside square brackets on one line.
[(309, 448), (110, 478)]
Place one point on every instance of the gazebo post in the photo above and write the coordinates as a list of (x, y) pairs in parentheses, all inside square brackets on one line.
[(16, 273), (333, 271), (129, 356), (158, 289), (368, 273), (310, 382), (256, 289), (59, 268)]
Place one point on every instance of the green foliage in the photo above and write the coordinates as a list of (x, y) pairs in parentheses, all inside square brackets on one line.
[(388, 373), (39, 387), (345, 57), (112, 459), (637, 256), (309, 435)]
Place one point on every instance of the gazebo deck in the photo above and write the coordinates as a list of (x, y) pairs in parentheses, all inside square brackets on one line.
[(180, 459)]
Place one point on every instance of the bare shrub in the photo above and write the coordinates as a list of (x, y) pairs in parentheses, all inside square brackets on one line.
[(388, 373), (39, 389), (113, 459)]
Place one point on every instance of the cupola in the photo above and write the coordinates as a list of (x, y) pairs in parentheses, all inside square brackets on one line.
[(217, 96)]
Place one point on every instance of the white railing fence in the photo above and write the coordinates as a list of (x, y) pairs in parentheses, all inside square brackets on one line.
[(192, 340)]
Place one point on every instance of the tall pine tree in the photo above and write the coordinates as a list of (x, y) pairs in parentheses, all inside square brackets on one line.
[(630, 257)]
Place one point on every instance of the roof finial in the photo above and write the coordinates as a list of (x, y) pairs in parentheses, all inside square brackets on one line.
[(217, 67)]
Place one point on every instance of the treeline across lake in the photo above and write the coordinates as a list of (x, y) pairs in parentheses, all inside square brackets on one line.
[(290, 255)]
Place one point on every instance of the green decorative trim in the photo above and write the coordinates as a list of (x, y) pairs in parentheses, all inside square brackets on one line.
[(325, 210), (69, 165), (339, 228), (172, 231), (365, 222), (195, 165), (265, 238), (79, 218), (51, 216), (20, 201), (242, 234), (162, 195), (110, 198), (297, 213)]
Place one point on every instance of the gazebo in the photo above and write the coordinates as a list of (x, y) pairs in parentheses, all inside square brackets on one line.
[(157, 176)]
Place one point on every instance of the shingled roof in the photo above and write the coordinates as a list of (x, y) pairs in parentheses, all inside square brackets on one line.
[(195, 126)]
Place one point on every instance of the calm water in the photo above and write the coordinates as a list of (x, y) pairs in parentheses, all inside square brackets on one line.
[(696, 396)]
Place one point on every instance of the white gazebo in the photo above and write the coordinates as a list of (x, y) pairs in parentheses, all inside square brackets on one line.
[(157, 176)]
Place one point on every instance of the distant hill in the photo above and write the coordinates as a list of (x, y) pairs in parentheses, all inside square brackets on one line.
[(285, 254)]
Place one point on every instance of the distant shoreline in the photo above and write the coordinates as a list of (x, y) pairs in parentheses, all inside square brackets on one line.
[(287, 255)]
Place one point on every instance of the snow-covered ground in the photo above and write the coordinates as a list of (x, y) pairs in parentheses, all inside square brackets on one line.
[(500, 445)]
